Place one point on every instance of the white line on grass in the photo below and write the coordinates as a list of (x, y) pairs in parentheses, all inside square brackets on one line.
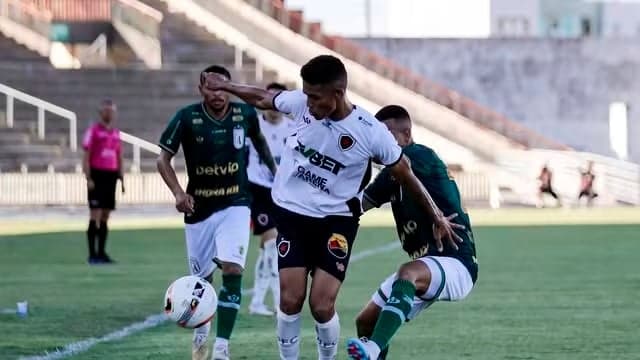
[(158, 319)]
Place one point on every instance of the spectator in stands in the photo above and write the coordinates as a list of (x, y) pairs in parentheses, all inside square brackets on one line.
[(586, 184), (102, 166), (546, 187)]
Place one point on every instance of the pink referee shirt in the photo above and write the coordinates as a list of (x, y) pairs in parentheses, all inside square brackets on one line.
[(104, 147)]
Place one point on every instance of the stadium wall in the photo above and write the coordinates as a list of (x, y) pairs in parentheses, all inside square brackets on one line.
[(561, 88), (40, 189)]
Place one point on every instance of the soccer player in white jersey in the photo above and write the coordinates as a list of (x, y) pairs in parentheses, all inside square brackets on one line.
[(325, 165), (275, 127)]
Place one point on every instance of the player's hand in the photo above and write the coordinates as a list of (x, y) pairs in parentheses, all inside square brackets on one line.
[(443, 229), (184, 203), (90, 184), (215, 81)]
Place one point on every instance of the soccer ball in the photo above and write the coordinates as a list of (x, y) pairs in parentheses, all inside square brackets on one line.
[(190, 302)]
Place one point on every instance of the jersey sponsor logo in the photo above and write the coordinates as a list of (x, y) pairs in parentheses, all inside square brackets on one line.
[(283, 247), (199, 139), (320, 160), (312, 179), (338, 246), (196, 121), (238, 137), (294, 340), (346, 142), (420, 252), (223, 191), (306, 119), (237, 118), (236, 110), (364, 121), (218, 170)]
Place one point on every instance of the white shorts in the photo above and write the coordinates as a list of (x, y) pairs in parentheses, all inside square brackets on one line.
[(223, 236), (450, 281)]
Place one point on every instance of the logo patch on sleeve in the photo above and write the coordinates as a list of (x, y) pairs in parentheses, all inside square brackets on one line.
[(338, 246), (346, 142)]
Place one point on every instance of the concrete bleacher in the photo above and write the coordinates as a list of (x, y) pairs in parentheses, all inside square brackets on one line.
[(560, 88), (146, 98)]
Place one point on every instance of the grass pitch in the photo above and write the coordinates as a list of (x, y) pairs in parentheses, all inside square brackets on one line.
[(544, 292)]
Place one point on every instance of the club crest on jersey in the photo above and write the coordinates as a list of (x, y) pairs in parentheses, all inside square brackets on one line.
[(283, 247), (346, 142), (238, 137), (263, 219), (338, 246)]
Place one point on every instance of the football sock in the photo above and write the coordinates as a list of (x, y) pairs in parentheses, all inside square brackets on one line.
[(103, 232), (394, 313), (201, 334), (261, 280), (228, 304), (383, 354), (289, 335), (271, 266), (328, 337), (91, 238)]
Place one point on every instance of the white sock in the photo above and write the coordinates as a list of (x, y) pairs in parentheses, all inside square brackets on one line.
[(261, 280), (221, 342), (289, 335), (271, 260), (328, 337), (201, 334)]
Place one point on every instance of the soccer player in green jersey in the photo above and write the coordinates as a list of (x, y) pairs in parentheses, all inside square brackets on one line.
[(437, 272), (216, 202)]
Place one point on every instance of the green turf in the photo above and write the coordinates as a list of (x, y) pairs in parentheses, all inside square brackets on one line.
[(563, 292)]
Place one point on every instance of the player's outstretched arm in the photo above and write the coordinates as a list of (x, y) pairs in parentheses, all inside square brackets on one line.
[(184, 201), (262, 148), (443, 227), (258, 97)]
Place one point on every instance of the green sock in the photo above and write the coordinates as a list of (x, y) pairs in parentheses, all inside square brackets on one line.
[(394, 313), (228, 304)]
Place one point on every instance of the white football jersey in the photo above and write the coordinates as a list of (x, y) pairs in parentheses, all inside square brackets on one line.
[(326, 164), (275, 134)]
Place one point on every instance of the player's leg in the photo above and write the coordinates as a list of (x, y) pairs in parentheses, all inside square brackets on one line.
[(200, 252), (293, 291), (414, 287), (366, 321), (293, 274), (266, 269), (231, 241), (333, 248), (95, 212), (103, 233), (92, 232), (108, 204)]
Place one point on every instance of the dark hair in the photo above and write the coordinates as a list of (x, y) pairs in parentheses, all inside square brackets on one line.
[(392, 112), (107, 102), (218, 69), (324, 70), (276, 86)]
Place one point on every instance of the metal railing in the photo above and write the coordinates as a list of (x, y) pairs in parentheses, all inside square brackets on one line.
[(464, 106), (43, 107), (138, 144)]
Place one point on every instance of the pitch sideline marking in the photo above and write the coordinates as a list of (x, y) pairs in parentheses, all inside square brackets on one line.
[(152, 321)]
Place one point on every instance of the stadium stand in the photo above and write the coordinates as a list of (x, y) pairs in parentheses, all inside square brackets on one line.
[(263, 41)]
